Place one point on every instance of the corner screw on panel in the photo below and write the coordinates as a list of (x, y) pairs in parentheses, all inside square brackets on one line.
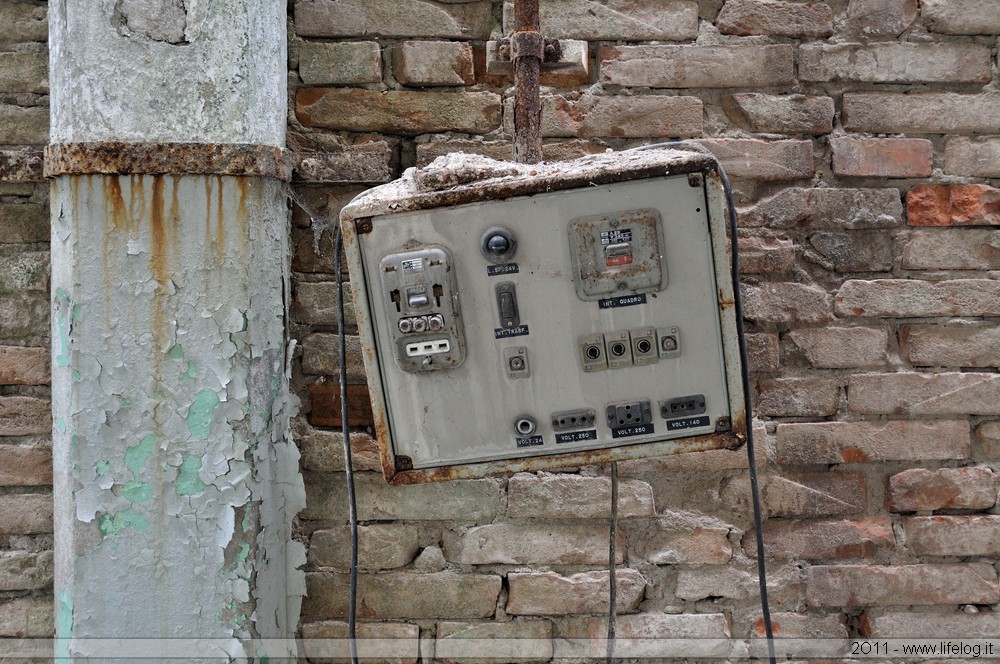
[(403, 462), (694, 179), (723, 424), (363, 226)]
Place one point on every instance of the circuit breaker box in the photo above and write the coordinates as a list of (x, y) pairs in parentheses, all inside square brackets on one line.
[(521, 317)]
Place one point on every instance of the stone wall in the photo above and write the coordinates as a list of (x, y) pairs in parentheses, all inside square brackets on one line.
[(863, 139)]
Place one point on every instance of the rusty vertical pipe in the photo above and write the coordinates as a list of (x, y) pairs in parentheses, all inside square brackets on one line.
[(527, 104)]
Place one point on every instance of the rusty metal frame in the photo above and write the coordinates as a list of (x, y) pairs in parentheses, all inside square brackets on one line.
[(121, 158), (527, 50)]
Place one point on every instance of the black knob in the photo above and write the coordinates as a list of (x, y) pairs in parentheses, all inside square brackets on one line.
[(498, 245)]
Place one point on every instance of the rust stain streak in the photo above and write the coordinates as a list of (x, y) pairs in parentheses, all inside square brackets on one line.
[(158, 234), (208, 218), (220, 224)]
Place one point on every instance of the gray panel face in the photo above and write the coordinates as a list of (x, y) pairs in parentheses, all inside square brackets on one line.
[(527, 385)]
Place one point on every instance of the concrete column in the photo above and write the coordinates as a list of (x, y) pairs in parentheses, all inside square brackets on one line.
[(174, 476)]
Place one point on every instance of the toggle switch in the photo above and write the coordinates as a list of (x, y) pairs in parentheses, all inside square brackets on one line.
[(507, 305)]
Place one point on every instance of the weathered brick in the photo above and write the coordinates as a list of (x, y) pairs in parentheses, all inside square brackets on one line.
[(881, 624), (27, 616), (430, 63), (23, 223), (951, 250), (25, 570), (340, 63), (315, 303), (697, 66), (921, 489), (913, 298), (380, 546), (323, 450), (24, 365), (321, 356), (629, 20), (953, 205), (798, 397), (841, 347), (988, 437), (398, 111), (561, 151), (21, 125), (924, 394), (24, 318), (881, 18), (974, 535), (763, 255), (774, 17), (925, 113), (25, 466), (400, 18), (895, 63), (958, 345), (527, 641), (850, 442), (708, 460), (763, 160), (882, 157), (902, 585), (763, 352), (641, 636), (696, 583), (378, 642), (669, 544), (786, 303), (801, 495), (559, 496), (978, 158), (847, 209), (25, 513), (23, 22), (24, 72), (780, 114), (548, 593), (788, 625), (23, 269), (530, 544), (24, 416), (853, 251), (404, 595), (961, 17), (470, 501), (823, 540), (373, 162), (639, 116)]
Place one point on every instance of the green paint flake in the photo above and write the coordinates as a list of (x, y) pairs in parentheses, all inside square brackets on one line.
[(176, 352), (103, 466), (136, 456), (244, 551), (125, 403), (192, 372), (188, 483), (61, 424), (202, 413), (137, 492), (76, 376), (64, 627), (111, 524)]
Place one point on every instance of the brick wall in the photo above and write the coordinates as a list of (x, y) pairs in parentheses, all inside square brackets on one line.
[(863, 138)]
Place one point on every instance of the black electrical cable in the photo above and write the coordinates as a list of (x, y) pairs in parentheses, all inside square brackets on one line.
[(612, 555), (745, 377), (352, 505)]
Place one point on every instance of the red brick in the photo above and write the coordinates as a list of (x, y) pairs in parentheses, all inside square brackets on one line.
[(924, 394), (841, 347), (847, 209), (848, 442), (902, 585), (921, 489), (763, 160), (951, 249), (773, 17), (639, 116), (798, 397), (780, 114), (823, 540), (894, 62), (800, 495), (882, 157), (23, 365), (922, 113), (975, 535), (398, 111), (951, 345), (786, 303), (399, 18), (881, 18), (549, 593), (24, 416), (913, 298), (953, 205), (697, 66)]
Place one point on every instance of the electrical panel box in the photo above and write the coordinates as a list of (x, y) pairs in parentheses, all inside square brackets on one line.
[(520, 317)]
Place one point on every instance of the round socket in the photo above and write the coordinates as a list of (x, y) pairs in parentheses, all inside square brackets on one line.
[(525, 425), (498, 244), (593, 352), (618, 349), (420, 324), (435, 322), (643, 346), (405, 325)]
